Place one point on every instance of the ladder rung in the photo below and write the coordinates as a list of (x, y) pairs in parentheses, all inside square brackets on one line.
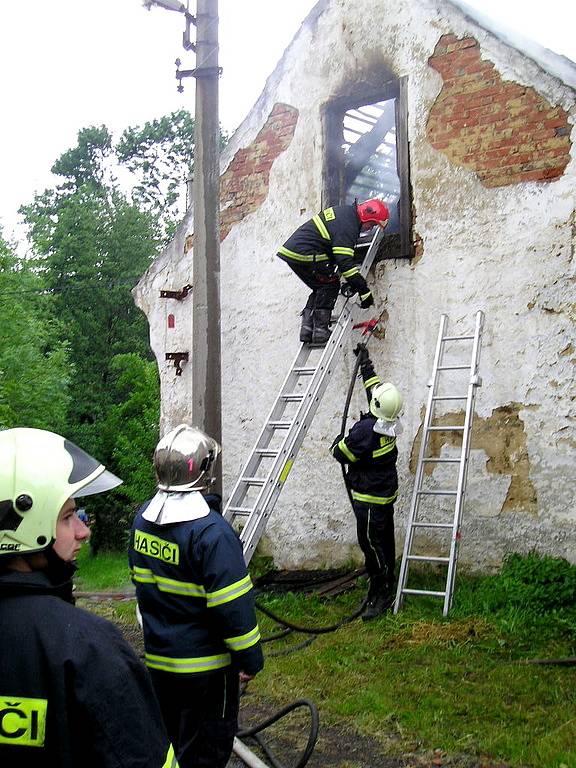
[(453, 368), (266, 452), (292, 397), (437, 492), (431, 460), (445, 429), (254, 480), (429, 559), (304, 371), (243, 511), (280, 424), (423, 592), (457, 338), (432, 525), (450, 397)]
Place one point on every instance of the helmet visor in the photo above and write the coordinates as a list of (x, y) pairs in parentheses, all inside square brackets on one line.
[(105, 481)]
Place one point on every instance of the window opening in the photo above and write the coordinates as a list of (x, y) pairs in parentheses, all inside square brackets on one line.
[(367, 156)]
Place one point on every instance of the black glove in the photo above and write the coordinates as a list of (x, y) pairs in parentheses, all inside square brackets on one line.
[(358, 284), (367, 301), (361, 352)]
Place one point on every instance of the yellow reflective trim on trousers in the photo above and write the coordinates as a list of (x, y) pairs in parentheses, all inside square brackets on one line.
[(173, 586), (340, 250), (170, 761), (346, 451), (187, 666), (243, 641), (302, 256), (365, 295), (22, 721), (373, 499), (229, 593), (350, 272), (372, 381), (321, 227)]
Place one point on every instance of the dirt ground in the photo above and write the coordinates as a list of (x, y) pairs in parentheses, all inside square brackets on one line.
[(339, 745)]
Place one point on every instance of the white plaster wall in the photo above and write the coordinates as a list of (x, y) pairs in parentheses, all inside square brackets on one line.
[(508, 251)]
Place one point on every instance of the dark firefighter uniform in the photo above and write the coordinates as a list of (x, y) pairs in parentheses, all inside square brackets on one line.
[(322, 248), (72, 692), (370, 459), (200, 628)]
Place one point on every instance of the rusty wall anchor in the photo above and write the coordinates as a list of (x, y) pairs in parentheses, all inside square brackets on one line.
[(179, 358), (178, 295)]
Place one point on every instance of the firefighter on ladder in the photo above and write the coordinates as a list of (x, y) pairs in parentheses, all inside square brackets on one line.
[(369, 453), (320, 251)]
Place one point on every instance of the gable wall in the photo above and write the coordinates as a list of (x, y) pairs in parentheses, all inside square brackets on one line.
[(495, 231)]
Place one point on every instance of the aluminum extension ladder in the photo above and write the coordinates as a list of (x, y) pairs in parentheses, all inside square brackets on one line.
[(255, 493), (415, 523)]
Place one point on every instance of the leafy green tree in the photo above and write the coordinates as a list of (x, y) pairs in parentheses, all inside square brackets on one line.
[(128, 435), (35, 371), (160, 157)]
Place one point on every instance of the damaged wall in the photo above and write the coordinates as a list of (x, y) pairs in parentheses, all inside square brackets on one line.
[(492, 170)]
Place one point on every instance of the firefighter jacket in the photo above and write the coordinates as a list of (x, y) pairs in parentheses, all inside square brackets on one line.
[(72, 692), (195, 595), (328, 240), (370, 457)]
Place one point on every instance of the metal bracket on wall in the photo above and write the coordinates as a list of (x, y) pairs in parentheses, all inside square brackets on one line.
[(178, 295), (178, 358)]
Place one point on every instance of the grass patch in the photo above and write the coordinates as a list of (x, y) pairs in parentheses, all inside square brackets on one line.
[(454, 684), (106, 571)]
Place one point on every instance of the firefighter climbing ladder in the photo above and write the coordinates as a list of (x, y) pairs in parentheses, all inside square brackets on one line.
[(415, 523), (264, 474)]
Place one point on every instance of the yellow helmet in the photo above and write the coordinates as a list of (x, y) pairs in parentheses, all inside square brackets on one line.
[(39, 472), (386, 402)]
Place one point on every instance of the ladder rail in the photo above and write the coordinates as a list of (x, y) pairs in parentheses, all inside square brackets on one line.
[(464, 463), (415, 502), (253, 456)]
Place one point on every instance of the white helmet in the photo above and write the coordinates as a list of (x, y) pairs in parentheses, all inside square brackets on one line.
[(386, 402), (39, 472), (185, 460)]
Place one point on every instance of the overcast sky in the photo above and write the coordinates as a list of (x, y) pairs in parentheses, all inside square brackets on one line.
[(68, 64)]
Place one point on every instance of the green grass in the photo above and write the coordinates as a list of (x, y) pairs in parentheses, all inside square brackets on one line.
[(419, 681), (107, 571)]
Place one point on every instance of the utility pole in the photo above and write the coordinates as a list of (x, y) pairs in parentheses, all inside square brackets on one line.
[(206, 347)]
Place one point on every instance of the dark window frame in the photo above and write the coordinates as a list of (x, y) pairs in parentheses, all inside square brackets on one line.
[(333, 192)]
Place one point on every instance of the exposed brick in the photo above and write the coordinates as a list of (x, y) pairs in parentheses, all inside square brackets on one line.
[(506, 132)]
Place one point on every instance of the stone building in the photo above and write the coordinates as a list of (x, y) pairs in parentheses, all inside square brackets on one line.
[(468, 133)]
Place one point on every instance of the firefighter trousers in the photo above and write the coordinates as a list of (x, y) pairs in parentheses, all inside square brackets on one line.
[(375, 531), (200, 712), (323, 282)]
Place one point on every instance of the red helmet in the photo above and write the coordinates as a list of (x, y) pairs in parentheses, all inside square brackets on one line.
[(373, 210)]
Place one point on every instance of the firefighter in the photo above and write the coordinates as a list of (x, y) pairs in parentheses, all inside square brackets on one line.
[(322, 250), (195, 597), (72, 691), (369, 454)]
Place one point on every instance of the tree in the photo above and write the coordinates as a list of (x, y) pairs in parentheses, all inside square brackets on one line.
[(35, 371), (128, 435), (160, 157)]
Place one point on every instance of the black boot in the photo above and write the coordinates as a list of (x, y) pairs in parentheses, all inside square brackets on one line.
[(307, 325), (321, 332), (378, 603)]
